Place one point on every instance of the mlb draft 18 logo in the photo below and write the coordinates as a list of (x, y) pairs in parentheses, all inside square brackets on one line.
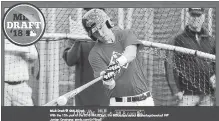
[(23, 24)]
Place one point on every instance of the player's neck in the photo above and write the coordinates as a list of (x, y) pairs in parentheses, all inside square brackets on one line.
[(112, 38)]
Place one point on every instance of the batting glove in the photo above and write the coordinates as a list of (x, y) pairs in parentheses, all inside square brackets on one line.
[(114, 66), (109, 75), (111, 71)]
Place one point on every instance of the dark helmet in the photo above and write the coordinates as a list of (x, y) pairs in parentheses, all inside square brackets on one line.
[(87, 9)]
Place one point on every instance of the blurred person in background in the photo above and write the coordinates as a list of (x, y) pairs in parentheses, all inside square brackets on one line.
[(17, 60), (195, 76)]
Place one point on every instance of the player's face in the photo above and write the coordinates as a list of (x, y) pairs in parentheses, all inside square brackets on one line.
[(103, 33), (196, 22)]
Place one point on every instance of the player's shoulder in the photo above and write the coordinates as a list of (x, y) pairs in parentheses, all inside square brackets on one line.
[(124, 33), (94, 51)]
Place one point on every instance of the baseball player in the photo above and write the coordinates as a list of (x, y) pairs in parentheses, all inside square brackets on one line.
[(195, 76), (77, 55), (115, 57), (17, 60)]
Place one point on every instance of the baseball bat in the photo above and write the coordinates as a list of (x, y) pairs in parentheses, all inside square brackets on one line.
[(74, 92)]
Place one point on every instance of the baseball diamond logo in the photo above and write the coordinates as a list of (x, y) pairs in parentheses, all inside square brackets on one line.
[(116, 55), (23, 24)]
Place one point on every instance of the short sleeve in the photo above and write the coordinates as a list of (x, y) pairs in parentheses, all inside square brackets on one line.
[(131, 38), (97, 63)]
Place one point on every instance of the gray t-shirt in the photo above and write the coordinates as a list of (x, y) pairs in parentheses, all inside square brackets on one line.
[(131, 79)]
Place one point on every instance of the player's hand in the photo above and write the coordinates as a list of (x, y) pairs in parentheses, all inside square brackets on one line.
[(108, 75), (114, 67), (213, 81), (111, 71), (108, 80)]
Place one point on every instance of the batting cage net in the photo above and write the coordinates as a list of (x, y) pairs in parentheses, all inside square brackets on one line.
[(50, 77)]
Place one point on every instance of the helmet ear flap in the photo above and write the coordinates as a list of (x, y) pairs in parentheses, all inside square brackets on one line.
[(84, 24), (109, 24), (93, 38), (88, 30)]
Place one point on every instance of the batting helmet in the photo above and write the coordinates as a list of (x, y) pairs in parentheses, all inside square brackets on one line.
[(87, 9), (93, 20)]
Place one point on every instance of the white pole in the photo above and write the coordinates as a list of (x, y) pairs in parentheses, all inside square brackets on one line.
[(56, 36), (42, 72), (179, 49), (149, 43), (53, 59), (56, 70), (210, 21), (183, 18), (121, 18), (129, 18), (79, 14), (186, 17)]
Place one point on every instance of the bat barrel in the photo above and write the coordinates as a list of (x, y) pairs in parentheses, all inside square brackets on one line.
[(74, 92)]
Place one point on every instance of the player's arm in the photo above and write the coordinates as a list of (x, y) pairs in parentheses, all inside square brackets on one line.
[(71, 54), (31, 55), (100, 68), (128, 55), (131, 45)]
